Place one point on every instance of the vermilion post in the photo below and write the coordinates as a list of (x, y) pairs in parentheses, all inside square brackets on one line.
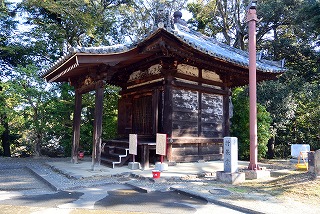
[(252, 19)]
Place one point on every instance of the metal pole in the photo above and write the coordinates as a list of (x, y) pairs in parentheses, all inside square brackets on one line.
[(252, 19)]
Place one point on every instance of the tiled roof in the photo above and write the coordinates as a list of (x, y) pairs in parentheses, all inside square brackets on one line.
[(195, 39), (219, 50)]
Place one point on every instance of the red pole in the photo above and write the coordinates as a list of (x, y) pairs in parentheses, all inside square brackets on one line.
[(252, 19)]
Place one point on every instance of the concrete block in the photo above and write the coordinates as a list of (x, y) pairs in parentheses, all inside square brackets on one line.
[(161, 166), (172, 163), (231, 178), (134, 165), (256, 174)]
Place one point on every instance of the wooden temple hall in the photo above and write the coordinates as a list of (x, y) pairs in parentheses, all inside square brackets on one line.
[(175, 81)]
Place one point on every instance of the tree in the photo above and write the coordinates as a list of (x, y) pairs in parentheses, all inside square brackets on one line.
[(294, 40), (136, 19), (4, 126), (7, 25), (240, 125), (287, 29), (222, 19), (59, 115), (29, 98)]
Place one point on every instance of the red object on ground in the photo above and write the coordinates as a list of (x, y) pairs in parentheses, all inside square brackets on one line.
[(156, 174), (81, 155)]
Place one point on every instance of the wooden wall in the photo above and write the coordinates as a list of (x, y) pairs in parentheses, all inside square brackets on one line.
[(198, 116)]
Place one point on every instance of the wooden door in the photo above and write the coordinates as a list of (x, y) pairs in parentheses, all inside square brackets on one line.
[(142, 116)]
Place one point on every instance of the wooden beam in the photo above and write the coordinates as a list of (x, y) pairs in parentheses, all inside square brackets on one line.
[(76, 126), (97, 129), (199, 80), (142, 88), (200, 88)]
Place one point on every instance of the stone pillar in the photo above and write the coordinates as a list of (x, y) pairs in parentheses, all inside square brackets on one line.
[(314, 162), (230, 151), (230, 173), (317, 163)]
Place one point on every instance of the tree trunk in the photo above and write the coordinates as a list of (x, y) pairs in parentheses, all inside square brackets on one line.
[(37, 146), (5, 138), (270, 153)]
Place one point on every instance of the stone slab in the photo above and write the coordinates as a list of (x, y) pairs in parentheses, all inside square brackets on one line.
[(256, 174), (161, 166), (134, 165), (231, 178)]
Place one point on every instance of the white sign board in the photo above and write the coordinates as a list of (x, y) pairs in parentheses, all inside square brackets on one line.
[(297, 148), (161, 144), (133, 142), (230, 152)]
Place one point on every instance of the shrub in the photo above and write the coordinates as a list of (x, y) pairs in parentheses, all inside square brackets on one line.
[(240, 125)]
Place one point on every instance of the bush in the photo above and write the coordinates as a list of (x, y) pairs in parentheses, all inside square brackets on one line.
[(240, 125)]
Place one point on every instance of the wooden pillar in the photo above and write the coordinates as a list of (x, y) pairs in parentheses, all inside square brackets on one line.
[(169, 69), (200, 105), (226, 113), (252, 21), (167, 113), (97, 129), (145, 156), (76, 126)]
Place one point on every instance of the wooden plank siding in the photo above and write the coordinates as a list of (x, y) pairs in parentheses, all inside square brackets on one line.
[(197, 114), (191, 112)]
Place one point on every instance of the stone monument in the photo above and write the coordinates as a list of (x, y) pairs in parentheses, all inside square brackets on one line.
[(314, 162), (230, 173)]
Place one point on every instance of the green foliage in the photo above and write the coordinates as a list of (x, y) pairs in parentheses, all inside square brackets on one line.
[(135, 19), (224, 20), (240, 125), (33, 113), (287, 29), (28, 98), (59, 112), (110, 113)]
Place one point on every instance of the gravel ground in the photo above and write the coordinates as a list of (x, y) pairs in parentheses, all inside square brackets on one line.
[(35, 168), (204, 187)]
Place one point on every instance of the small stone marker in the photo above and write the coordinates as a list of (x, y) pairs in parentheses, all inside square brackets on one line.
[(230, 154)]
